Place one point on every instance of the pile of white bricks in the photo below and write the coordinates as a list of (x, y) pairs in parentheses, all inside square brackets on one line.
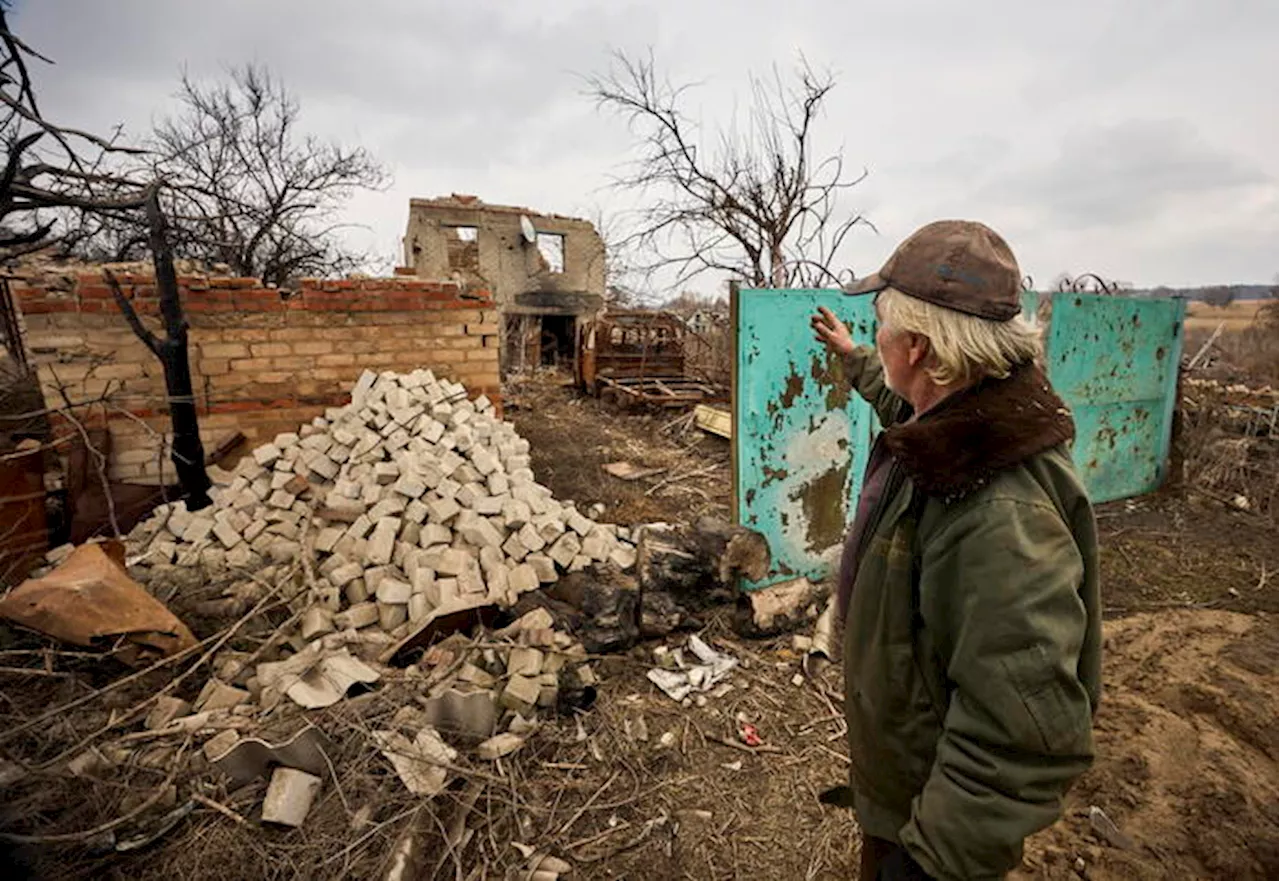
[(409, 500)]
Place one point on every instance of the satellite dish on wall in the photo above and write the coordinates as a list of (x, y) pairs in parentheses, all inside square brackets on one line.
[(526, 229)]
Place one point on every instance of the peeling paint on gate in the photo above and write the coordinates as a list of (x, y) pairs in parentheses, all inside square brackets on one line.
[(800, 438), (1114, 361)]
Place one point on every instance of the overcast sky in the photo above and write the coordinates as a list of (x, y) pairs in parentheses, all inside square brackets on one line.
[(1134, 139)]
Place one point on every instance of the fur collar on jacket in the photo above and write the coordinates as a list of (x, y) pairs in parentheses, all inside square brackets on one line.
[(975, 434)]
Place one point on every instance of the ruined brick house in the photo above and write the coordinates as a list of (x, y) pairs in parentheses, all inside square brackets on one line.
[(546, 272)]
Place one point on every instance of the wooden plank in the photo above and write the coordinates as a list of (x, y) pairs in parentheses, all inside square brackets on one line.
[(713, 421)]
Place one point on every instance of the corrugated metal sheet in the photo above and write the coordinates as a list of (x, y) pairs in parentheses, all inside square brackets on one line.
[(800, 440), (800, 444), (1114, 360)]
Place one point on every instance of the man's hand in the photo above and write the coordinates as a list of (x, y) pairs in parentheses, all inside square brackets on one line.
[(831, 332)]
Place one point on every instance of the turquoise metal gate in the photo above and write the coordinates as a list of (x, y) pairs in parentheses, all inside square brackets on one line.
[(800, 441)]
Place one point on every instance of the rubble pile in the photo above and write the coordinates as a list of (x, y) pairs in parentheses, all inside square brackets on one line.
[(412, 501)]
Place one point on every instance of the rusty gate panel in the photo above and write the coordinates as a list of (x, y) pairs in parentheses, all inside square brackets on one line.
[(1114, 360), (800, 439), (24, 534)]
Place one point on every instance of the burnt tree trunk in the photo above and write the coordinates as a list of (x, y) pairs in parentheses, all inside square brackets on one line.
[(188, 451)]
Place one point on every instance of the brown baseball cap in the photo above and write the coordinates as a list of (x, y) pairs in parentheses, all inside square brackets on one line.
[(957, 264)]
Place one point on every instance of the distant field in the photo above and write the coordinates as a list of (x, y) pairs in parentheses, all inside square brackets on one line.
[(1238, 316)]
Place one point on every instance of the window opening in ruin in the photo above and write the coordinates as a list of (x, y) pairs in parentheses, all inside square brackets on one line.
[(551, 247), (464, 249)]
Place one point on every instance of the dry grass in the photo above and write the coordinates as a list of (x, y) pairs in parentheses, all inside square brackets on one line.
[(1237, 315)]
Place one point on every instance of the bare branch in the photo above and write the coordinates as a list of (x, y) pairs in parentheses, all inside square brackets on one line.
[(757, 205)]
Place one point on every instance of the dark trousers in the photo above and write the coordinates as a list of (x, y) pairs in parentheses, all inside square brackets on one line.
[(874, 851)]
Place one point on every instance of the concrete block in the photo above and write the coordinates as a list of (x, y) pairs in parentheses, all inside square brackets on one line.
[(435, 534), (197, 529), (360, 527), (392, 615), (281, 499), (387, 507), (579, 563), (419, 607), (514, 548), (382, 543), (623, 556), (448, 488), (410, 487), (393, 591), (550, 526), (323, 466), (470, 581), (595, 547), (356, 592), (523, 578), (544, 566), (442, 510), (524, 661), (445, 590), (266, 455), (415, 512), (498, 586), (520, 695), (327, 538), (516, 513), (467, 473), (482, 534), (316, 621), (453, 562), (345, 574), (165, 710), (484, 461), (565, 549), (468, 494), (358, 616), (226, 534), (531, 538), (218, 695), (449, 462), (491, 558), (289, 796)]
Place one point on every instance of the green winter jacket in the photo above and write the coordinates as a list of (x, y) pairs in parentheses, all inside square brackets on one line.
[(972, 649)]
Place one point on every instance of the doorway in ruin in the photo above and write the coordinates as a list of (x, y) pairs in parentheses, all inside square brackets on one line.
[(556, 343)]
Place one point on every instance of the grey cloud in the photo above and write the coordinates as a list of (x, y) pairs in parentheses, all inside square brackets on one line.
[(1138, 137), (1127, 173)]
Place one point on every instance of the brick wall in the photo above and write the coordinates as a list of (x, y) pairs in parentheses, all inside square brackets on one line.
[(261, 364)]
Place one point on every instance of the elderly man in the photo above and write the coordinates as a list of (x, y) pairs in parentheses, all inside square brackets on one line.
[(968, 587)]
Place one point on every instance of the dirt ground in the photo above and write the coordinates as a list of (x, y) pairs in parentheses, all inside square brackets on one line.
[(643, 788), (1186, 735)]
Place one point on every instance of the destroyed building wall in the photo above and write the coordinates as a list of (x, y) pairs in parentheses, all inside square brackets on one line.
[(542, 288), (261, 362)]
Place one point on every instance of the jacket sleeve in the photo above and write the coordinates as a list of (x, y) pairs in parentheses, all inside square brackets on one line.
[(1000, 588), (865, 375)]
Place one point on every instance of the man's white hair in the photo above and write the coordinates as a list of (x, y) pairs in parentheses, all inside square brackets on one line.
[(965, 347)]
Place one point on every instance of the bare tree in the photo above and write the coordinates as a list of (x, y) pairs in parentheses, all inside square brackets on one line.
[(49, 169), (755, 203), (244, 188), (38, 187), (1220, 296)]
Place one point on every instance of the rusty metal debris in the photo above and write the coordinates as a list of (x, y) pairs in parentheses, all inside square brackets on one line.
[(638, 357), (90, 600)]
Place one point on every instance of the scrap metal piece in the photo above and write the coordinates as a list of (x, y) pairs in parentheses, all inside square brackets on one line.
[(90, 600)]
